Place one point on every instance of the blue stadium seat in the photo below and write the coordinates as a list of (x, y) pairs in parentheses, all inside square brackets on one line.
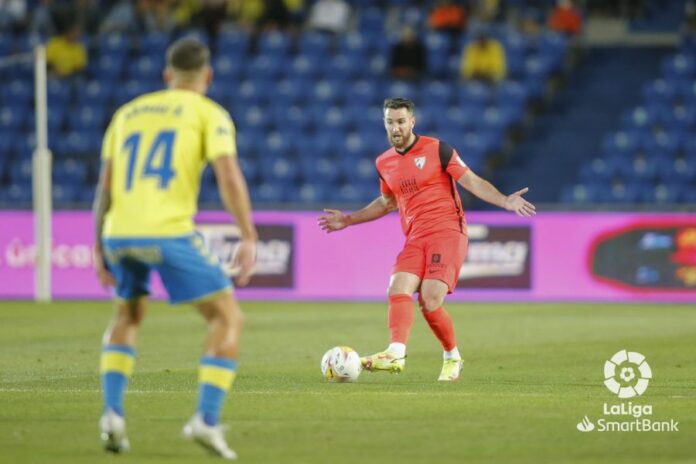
[(371, 19), (17, 92), (275, 146), (8, 143), (405, 89), (274, 44), (6, 45), (132, 89), (269, 67), (21, 171), (114, 45), (314, 44), (16, 194), (233, 43), (281, 171), (364, 93), (354, 44), (292, 119), (317, 169), (254, 117), (250, 92), (679, 66), (70, 171), (95, 93), (153, 44), (474, 93), (366, 119), (221, 92), (269, 193), (638, 118), (309, 193), (107, 69), (666, 142), (511, 92), (86, 118), (55, 118), (249, 167), (58, 92), (12, 118), (228, 68), (146, 68), (305, 66), (350, 66), (621, 144), (437, 92), (658, 92), (326, 93)]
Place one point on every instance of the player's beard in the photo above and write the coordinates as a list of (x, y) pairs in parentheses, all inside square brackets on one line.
[(400, 142)]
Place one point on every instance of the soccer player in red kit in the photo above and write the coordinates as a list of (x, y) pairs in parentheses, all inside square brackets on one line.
[(417, 177)]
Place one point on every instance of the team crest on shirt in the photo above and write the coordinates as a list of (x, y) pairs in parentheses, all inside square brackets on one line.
[(420, 162)]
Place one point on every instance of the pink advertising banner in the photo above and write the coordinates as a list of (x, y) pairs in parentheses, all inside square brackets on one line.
[(552, 257)]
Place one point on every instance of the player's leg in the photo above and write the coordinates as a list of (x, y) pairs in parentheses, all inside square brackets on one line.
[(403, 284), (431, 301), (191, 274), (118, 346), (445, 254), (216, 372)]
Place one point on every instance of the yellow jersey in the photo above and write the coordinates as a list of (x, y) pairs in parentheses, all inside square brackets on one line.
[(158, 145)]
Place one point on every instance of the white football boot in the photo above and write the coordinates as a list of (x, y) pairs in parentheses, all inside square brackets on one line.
[(113, 432), (209, 437)]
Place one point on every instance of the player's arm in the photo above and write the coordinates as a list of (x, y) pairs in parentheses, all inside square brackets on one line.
[(235, 197), (335, 220), (102, 203), (488, 193)]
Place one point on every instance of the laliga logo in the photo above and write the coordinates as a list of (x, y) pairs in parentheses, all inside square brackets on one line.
[(627, 374)]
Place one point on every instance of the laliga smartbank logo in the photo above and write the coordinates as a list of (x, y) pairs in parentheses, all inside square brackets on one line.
[(627, 375)]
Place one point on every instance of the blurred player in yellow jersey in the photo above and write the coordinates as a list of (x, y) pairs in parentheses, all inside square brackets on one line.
[(154, 152)]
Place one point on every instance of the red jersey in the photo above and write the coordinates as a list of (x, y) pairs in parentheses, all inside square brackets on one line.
[(423, 180)]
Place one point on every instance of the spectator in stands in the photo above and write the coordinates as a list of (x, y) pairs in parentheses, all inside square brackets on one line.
[(42, 21), (330, 16), (448, 16), (565, 18), (247, 13), (408, 58), (87, 14), (210, 15), (689, 25), (484, 59), (130, 17), (65, 55), (13, 15), (275, 15)]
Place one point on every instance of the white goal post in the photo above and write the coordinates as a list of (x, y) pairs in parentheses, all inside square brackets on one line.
[(41, 182)]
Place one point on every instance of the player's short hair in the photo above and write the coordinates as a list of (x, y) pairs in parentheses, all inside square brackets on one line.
[(398, 103), (188, 55)]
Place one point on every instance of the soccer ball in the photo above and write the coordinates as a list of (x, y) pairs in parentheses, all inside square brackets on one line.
[(341, 364)]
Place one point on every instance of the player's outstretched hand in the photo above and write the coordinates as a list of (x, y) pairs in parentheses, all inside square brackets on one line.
[(243, 260), (106, 278), (519, 205), (332, 221)]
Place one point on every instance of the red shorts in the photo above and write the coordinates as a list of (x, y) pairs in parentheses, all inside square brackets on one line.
[(439, 256)]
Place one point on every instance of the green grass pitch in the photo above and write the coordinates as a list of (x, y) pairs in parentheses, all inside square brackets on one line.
[(532, 372)]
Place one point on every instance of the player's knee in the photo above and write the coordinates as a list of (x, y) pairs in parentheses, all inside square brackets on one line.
[(430, 302), (130, 313)]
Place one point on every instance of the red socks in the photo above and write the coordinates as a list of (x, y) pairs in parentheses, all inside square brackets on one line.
[(400, 317), (440, 323)]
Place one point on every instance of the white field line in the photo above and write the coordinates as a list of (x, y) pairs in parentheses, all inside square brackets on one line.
[(342, 392)]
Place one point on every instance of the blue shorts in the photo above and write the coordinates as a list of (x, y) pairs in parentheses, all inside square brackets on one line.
[(189, 271)]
